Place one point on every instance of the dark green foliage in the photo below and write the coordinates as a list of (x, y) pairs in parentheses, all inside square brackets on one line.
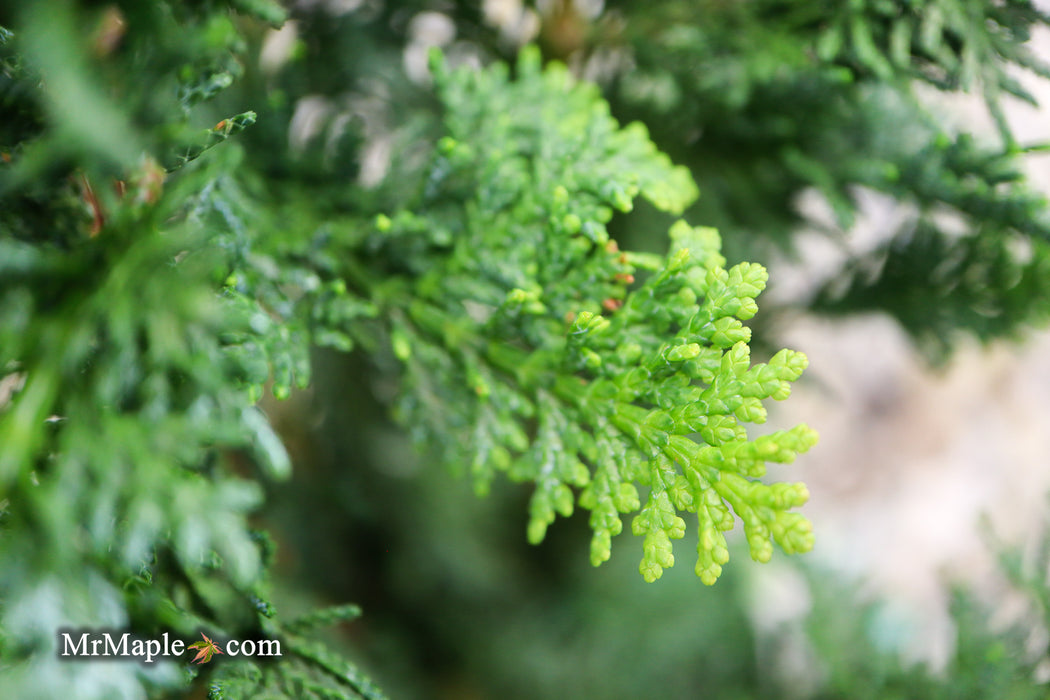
[(131, 358), (764, 99), (992, 283), (308, 669)]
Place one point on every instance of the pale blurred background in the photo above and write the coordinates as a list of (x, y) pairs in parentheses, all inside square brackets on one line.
[(916, 464)]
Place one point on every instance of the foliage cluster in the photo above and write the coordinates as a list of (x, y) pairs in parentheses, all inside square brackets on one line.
[(145, 310)]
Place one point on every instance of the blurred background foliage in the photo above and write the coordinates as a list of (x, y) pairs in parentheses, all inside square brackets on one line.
[(278, 133)]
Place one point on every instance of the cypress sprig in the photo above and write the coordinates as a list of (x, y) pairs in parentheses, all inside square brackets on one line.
[(567, 372)]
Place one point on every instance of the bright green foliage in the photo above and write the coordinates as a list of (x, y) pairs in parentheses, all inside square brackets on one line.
[(147, 299), (529, 349)]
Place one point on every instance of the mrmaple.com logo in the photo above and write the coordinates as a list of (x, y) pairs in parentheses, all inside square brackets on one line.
[(88, 644)]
